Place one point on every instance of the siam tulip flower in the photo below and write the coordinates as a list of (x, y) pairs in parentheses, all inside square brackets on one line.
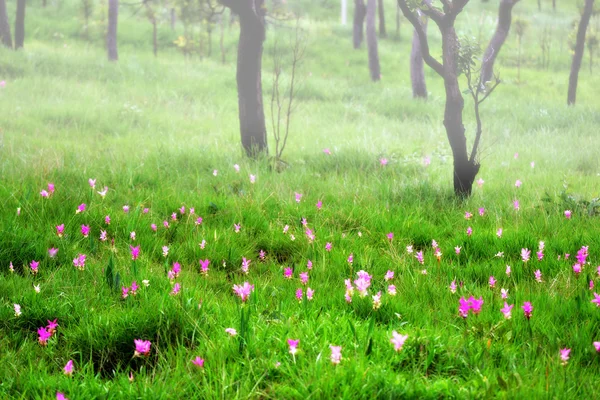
[(336, 354), (142, 347), (126, 208), (424, 272), (597, 346), (434, 244), (202, 244), (463, 307), (262, 254), (409, 249), (538, 276), (2, 84), (79, 262), (176, 289), (591, 285), (527, 309), (499, 233), (516, 155), (153, 227), (480, 182), (146, 210), (103, 236), (165, 251), (426, 161), (319, 204), (582, 255), (469, 231), (85, 230), (124, 292), (292, 238), (577, 269), (134, 288), (237, 227), (60, 230), (389, 275), (236, 167), (309, 264), (166, 224), (350, 258), (390, 236), (468, 215), (60, 396), (135, 252), (492, 281), (481, 211), (192, 211), (17, 308), (516, 205), (130, 377), (383, 161), (37, 288), (326, 151), (182, 210), (252, 178), (132, 236), (204, 266), (11, 268), (525, 254), (328, 246), (287, 273), (508, 270), (419, 257), (298, 196), (564, 355), (568, 214), (596, 299), (107, 220), (44, 194), (52, 325), (174, 216), (103, 192), (363, 282), (507, 310), (377, 301), (304, 277), (540, 255), (285, 229), (215, 172), (68, 368), (293, 343), (457, 249), (310, 235), (398, 340), (299, 294), (391, 290), (438, 254), (453, 287), (245, 265), (34, 266), (309, 294), (231, 331), (146, 282), (80, 208), (476, 304), (92, 183), (243, 291), (504, 293), (43, 336), (199, 362), (52, 252), (51, 188), (518, 183), (198, 221), (18, 211)]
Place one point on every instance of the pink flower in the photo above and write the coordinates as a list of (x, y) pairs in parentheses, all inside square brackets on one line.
[(363, 282), (469, 231), (299, 294), (298, 196), (597, 346), (504, 293), (377, 301), (44, 193), (468, 215), (44, 335), (518, 183), (215, 172), (176, 289), (245, 265), (237, 227), (2, 84), (124, 292), (426, 161), (107, 220), (51, 188), (92, 183), (52, 325), (132, 236), (568, 214), (166, 224), (182, 210), (126, 209), (85, 230), (419, 257), (134, 288), (582, 255), (453, 286), (68, 368), (457, 249), (492, 282), (243, 291), (293, 343), (476, 304), (231, 331), (463, 307), (52, 252), (17, 308), (538, 276), (328, 246), (326, 151), (319, 204), (59, 395), (525, 254), (262, 254), (287, 273), (508, 270), (60, 229), (142, 347), (591, 285), (198, 221), (596, 299), (389, 275), (135, 252), (507, 310), (540, 255), (527, 309), (383, 161), (516, 155), (236, 167), (204, 266), (390, 236), (481, 211), (79, 262), (309, 294), (174, 216), (350, 258), (480, 182), (516, 205), (103, 236), (199, 362), (577, 268), (34, 266), (80, 208), (153, 227), (564, 355), (398, 340), (391, 290), (499, 233), (202, 244), (336, 354), (309, 264), (103, 192)]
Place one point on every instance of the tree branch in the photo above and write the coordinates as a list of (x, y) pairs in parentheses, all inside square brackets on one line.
[(414, 20), (436, 15)]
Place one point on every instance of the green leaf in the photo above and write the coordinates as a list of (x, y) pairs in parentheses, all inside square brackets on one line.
[(109, 274)]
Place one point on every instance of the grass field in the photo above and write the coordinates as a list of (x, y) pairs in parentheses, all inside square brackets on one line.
[(154, 130)]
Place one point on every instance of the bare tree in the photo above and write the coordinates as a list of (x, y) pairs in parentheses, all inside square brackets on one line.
[(253, 132), (579, 49), (465, 167), (502, 29), (417, 66), (374, 67), (20, 24), (5, 35), (380, 8), (111, 33), (360, 11)]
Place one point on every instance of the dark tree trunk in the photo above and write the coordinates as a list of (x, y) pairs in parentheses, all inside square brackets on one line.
[(502, 29), (579, 48), (417, 70), (111, 34), (374, 67), (172, 19), (20, 24), (44, 3), (250, 49), (5, 35), (360, 11), (554, 5), (382, 31)]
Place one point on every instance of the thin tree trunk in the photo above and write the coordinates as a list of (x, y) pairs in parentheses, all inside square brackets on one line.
[(397, 21), (374, 67), (111, 34), (5, 35), (382, 31), (579, 48), (360, 11), (417, 66), (173, 19), (502, 29), (344, 12), (539, 5), (20, 24), (44, 3), (554, 5)]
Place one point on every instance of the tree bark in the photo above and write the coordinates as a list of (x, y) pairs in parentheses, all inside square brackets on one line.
[(554, 5), (502, 29), (579, 48), (344, 12), (360, 11), (382, 31), (111, 34), (5, 35), (417, 70), (250, 49), (374, 67), (20, 24)]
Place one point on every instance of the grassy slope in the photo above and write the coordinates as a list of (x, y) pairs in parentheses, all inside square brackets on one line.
[(153, 131)]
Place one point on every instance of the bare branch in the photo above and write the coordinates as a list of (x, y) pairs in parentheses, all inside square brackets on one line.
[(414, 20)]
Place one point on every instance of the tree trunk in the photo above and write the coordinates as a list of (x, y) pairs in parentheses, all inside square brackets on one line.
[(5, 35), (20, 24), (465, 170), (44, 3), (417, 70), (539, 5), (554, 5), (111, 33), (382, 31), (397, 21), (344, 12), (250, 49), (360, 11), (374, 67), (579, 48), (172, 19), (502, 29)]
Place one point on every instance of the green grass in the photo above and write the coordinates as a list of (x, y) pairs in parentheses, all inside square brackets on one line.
[(153, 131)]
